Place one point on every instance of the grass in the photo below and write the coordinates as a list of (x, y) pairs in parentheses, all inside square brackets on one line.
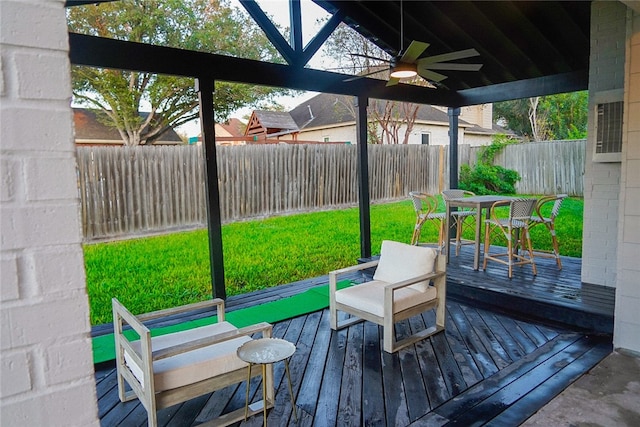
[(165, 271)]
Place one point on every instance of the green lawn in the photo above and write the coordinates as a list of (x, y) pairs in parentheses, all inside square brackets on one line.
[(166, 271)]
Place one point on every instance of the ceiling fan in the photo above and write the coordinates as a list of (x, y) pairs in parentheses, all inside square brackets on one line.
[(409, 64)]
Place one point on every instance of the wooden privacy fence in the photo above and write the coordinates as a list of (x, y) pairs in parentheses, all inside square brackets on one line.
[(546, 167), (137, 190)]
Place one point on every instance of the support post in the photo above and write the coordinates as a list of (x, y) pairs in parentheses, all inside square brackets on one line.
[(454, 114), (205, 90), (363, 177)]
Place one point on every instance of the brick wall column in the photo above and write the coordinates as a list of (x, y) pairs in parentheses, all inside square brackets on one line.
[(602, 180), (46, 364), (627, 316)]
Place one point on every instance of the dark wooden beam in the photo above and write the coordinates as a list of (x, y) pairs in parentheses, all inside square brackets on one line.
[(70, 3), (322, 36), (363, 176), (542, 86), (109, 53), (295, 30), (270, 30), (205, 90)]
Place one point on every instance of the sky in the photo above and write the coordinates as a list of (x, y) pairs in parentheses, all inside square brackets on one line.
[(279, 11)]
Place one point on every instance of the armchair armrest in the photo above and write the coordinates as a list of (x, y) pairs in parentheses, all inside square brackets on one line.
[(122, 315), (333, 275), (354, 268), (219, 303), (398, 285), (263, 327)]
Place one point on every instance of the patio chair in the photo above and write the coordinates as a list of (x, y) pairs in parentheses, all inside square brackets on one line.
[(168, 369), (425, 206), (460, 217), (515, 229), (408, 280), (549, 222)]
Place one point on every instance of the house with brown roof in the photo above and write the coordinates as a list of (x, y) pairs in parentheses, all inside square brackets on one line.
[(233, 127), (90, 131), (272, 125), (329, 118)]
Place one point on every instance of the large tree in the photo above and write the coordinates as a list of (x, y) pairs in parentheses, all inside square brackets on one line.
[(562, 116), (202, 25)]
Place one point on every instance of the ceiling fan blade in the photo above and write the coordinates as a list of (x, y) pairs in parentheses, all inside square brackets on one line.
[(393, 81), (370, 57), (451, 66), (414, 50), (431, 75), (452, 56)]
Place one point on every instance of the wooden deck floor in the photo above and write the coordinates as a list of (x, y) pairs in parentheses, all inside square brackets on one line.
[(552, 296), (490, 366)]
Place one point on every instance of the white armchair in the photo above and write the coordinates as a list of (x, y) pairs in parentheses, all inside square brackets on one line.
[(408, 281), (173, 368)]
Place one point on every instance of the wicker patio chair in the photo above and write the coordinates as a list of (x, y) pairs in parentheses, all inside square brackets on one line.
[(514, 228), (460, 217), (425, 206), (549, 223)]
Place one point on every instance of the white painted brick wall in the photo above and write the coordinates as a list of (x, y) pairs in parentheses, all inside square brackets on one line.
[(602, 180), (46, 362), (627, 315)]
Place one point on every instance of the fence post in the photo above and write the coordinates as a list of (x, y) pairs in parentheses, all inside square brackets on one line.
[(205, 90)]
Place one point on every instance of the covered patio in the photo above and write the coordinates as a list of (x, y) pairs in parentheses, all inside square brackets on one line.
[(502, 366), (509, 347)]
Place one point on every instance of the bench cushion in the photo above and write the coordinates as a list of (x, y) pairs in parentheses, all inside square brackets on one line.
[(369, 297), (195, 365), (399, 261)]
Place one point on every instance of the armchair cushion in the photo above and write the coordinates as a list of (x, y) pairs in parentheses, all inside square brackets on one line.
[(191, 366), (369, 297), (399, 262)]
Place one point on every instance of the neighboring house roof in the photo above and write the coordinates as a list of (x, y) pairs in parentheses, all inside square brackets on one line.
[(270, 122), (89, 130), (327, 109), (234, 127), (323, 110)]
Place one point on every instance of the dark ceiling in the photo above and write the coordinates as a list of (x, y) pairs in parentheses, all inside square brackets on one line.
[(527, 48), (517, 40)]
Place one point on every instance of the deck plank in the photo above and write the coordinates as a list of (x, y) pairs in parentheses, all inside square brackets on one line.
[(309, 385), (506, 396), (530, 403), (483, 360), (351, 388), (372, 391)]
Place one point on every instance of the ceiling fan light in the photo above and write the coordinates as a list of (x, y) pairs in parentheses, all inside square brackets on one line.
[(404, 70)]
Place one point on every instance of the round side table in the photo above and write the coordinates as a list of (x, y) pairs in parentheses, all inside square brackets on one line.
[(266, 351)]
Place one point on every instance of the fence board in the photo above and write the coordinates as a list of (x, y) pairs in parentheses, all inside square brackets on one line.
[(137, 190)]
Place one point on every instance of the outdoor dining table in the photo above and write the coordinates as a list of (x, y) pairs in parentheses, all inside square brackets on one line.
[(479, 203)]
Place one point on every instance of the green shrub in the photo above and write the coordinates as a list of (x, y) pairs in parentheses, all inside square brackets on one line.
[(487, 178)]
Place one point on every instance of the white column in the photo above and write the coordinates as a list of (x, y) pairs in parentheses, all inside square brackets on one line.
[(47, 365)]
